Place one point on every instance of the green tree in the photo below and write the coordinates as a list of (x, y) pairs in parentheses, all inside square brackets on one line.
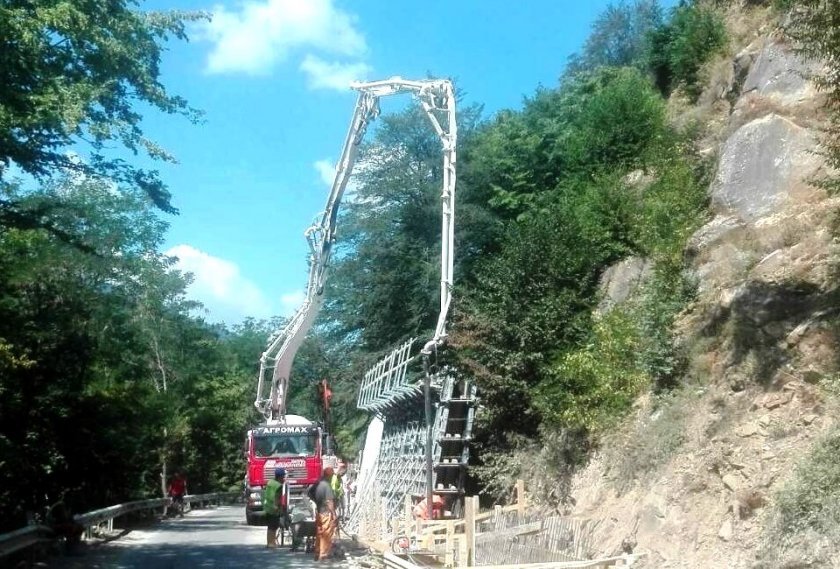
[(106, 373), (77, 398), (619, 37), (385, 278), (691, 35), (72, 75)]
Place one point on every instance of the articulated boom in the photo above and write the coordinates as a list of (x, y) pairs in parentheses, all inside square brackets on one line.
[(438, 100)]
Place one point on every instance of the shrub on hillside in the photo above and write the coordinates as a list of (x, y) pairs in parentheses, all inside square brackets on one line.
[(806, 512), (617, 121), (636, 453), (546, 465), (619, 37), (682, 45), (606, 121), (591, 388)]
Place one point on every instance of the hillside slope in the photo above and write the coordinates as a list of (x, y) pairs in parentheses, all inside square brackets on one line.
[(694, 478)]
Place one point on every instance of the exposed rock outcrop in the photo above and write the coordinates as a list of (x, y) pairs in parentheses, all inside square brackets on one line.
[(778, 74), (763, 165), (621, 280)]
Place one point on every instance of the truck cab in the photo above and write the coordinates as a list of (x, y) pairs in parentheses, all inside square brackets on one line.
[(299, 446)]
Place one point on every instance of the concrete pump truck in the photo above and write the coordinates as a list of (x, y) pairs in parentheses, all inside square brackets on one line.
[(300, 445)]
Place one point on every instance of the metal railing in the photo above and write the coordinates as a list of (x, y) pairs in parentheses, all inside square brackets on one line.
[(32, 535)]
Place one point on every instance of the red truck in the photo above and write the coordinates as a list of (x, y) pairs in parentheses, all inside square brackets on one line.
[(300, 446)]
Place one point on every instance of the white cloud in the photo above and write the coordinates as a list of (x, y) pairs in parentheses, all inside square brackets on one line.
[(261, 34), (220, 286), (291, 301), (332, 75), (326, 171)]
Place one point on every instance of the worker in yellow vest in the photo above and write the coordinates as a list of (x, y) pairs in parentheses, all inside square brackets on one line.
[(337, 485)]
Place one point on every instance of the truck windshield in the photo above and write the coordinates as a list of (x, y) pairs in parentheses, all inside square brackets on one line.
[(285, 445)]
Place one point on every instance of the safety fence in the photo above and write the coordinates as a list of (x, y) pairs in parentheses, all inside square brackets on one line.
[(92, 521)]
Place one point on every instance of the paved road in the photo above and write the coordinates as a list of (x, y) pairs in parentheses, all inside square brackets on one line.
[(217, 538)]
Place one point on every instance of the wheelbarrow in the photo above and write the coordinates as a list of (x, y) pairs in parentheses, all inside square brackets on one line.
[(303, 534)]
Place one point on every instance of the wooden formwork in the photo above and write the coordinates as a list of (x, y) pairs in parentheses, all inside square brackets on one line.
[(506, 537)]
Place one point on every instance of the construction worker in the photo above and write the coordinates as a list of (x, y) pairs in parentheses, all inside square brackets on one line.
[(275, 503), (421, 510), (326, 520), (60, 521), (177, 490), (337, 485)]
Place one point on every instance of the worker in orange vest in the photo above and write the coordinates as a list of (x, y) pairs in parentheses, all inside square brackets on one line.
[(421, 510)]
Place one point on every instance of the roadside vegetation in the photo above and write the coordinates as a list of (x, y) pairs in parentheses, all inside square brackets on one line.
[(109, 375)]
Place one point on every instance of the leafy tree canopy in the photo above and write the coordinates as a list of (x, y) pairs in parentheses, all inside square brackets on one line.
[(73, 72), (619, 36)]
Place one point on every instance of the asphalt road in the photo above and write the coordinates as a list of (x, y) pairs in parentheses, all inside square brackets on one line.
[(214, 538)]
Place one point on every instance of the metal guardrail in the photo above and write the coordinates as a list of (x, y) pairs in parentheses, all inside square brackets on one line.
[(23, 538), (32, 535)]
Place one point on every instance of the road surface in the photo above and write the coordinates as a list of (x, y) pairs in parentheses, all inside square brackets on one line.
[(216, 538)]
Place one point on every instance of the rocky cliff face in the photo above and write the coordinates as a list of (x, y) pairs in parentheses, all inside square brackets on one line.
[(760, 336)]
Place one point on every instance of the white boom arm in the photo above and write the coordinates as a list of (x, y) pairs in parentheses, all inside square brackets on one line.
[(438, 100)]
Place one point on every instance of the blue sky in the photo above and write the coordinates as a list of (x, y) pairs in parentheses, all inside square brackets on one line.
[(271, 77)]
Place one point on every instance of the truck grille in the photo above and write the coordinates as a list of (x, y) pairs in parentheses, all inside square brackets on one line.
[(295, 470)]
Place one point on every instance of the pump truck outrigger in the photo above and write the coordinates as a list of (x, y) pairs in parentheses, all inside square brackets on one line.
[(293, 442)]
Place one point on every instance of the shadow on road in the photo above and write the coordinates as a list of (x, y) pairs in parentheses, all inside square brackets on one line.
[(199, 555), (193, 524)]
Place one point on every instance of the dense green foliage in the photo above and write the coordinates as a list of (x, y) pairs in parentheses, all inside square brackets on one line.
[(620, 36), (106, 375), (528, 321), (679, 48), (74, 72), (670, 49)]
